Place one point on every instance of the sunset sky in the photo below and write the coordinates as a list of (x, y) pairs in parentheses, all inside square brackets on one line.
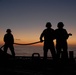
[(27, 18)]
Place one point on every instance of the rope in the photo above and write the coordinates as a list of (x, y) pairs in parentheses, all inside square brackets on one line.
[(28, 43), (24, 44)]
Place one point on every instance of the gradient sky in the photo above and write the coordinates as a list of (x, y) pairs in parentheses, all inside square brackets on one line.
[(27, 18)]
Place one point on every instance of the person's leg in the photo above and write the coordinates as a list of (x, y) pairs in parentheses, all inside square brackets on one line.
[(65, 52), (45, 53), (12, 50), (58, 52), (5, 48), (53, 52)]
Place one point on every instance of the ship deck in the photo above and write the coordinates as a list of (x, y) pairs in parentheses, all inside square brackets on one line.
[(23, 65), (35, 65)]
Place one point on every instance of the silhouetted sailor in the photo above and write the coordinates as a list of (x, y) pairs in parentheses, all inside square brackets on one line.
[(61, 40), (9, 41), (48, 35)]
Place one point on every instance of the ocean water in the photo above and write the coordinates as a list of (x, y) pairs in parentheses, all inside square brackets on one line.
[(29, 50)]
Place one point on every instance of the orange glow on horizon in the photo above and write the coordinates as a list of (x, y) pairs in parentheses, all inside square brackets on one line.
[(71, 42), (22, 40)]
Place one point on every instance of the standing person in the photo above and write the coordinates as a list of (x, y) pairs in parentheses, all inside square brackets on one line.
[(48, 35), (61, 40), (9, 41)]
